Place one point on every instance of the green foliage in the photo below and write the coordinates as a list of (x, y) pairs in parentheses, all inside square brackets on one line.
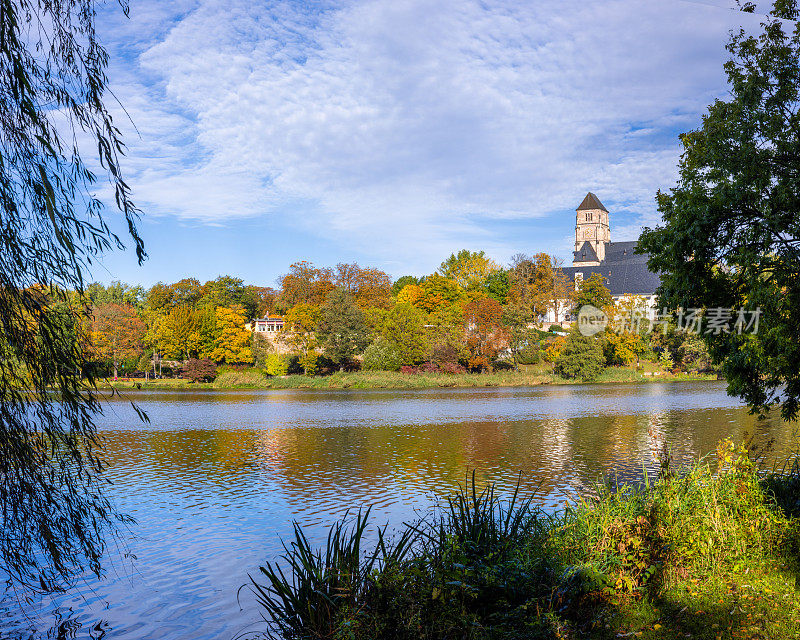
[(404, 328), (497, 285), (53, 86), (730, 232), (309, 362), (261, 348), (593, 291), (401, 282), (382, 355), (468, 269), (276, 365), (342, 329), (581, 357)]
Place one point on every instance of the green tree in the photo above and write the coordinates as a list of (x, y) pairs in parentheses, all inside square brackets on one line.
[(498, 285), (342, 329), (53, 86), (175, 332), (382, 355), (522, 336), (593, 291), (730, 236), (581, 357), (468, 269), (404, 327)]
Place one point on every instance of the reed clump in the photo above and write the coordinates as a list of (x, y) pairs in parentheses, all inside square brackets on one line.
[(662, 560)]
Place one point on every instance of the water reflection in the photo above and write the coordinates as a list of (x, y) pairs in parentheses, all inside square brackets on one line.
[(216, 478)]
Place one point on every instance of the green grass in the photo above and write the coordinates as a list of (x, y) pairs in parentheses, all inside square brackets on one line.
[(529, 375), (711, 554)]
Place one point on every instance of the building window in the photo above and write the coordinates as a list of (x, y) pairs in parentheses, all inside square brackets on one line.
[(588, 217)]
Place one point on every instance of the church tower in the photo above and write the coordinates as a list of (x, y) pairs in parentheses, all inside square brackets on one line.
[(591, 226)]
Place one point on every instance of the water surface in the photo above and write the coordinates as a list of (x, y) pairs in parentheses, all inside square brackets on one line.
[(216, 478)]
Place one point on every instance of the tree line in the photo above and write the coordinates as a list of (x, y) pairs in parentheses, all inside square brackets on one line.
[(471, 314)]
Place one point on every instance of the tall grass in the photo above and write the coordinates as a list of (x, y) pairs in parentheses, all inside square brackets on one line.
[(480, 566)]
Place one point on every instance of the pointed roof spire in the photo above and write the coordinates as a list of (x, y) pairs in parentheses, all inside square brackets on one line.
[(591, 202)]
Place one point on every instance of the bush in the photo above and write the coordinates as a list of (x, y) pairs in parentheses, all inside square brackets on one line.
[(531, 355), (580, 358), (382, 355), (276, 365), (452, 368), (502, 365), (199, 370)]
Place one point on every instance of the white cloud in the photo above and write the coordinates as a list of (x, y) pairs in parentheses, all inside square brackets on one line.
[(406, 127)]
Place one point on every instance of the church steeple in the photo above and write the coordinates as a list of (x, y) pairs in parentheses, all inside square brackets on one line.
[(591, 226)]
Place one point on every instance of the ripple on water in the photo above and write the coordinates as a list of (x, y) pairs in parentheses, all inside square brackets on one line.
[(216, 479)]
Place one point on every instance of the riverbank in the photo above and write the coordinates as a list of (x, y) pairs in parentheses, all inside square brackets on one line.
[(713, 554), (529, 376)]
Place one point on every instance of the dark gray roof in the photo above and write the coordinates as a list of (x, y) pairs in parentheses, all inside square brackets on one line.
[(586, 253), (591, 201), (623, 271), (623, 252)]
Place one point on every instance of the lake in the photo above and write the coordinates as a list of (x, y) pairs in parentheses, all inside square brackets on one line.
[(216, 478)]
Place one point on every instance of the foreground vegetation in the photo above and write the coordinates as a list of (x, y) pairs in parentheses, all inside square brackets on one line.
[(527, 376), (712, 553)]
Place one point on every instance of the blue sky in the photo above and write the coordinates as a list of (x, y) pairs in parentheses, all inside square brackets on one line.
[(394, 132)]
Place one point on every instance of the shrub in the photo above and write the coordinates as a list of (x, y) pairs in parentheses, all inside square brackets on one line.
[(199, 370), (531, 355), (451, 368), (382, 355), (276, 365), (582, 357)]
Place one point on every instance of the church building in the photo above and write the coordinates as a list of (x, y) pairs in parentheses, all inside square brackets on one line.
[(624, 271)]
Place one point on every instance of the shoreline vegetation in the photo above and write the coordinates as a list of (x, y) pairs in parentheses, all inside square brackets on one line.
[(528, 376), (709, 553)]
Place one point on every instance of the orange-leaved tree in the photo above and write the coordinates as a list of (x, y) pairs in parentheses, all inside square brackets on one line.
[(485, 333), (117, 333)]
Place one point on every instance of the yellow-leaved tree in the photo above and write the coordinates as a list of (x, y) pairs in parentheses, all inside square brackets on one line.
[(233, 342)]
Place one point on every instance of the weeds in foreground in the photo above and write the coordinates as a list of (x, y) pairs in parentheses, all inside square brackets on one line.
[(711, 554)]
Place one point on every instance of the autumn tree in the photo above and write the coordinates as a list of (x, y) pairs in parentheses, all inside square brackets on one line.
[(186, 291), (199, 370), (369, 287), (538, 284), (342, 329), (223, 291), (160, 297), (233, 342), (438, 292), (305, 283), (593, 291), (486, 335), (117, 333), (403, 281), (410, 294), (468, 269), (300, 326), (404, 328), (444, 332), (175, 332)]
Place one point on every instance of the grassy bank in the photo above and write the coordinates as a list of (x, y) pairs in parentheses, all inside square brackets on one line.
[(707, 555), (529, 376)]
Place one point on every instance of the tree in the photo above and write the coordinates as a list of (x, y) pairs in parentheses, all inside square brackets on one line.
[(593, 291), (369, 287), (233, 342), (730, 232), (401, 282), (498, 285), (262, 347), (342, 329), (486, 335), (300, 326), (199, 370), (175, 332), (186, 291), (522, 338), (468, 269), (382, 355), (117, 334), (444, 331), (404, 328), (537, 284), (224, 291), (52, 93), (305, 283), (410, 294), (438, 292), (580, 357)]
